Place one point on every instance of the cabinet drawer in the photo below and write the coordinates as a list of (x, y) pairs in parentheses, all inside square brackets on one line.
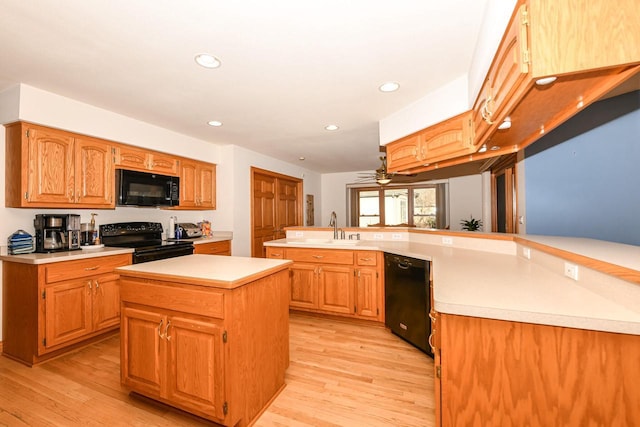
[(213, 248), (324, 256), (68, 270), (193, 300), (367, 258)]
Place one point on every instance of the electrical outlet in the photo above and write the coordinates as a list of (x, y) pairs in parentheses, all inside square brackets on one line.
[(526, 252), (299, 233), (396, 236), (377, 236), (571, 270), (447, 240)]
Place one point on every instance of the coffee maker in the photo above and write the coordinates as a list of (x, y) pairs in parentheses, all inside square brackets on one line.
[(57, 232)]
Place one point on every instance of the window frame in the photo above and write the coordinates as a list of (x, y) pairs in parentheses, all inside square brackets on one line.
[(441, 208)]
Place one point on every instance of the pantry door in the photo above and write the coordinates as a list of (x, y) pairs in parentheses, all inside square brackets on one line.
[(276, 203)]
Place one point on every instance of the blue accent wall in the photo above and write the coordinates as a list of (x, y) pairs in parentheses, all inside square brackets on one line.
[(583, 178)]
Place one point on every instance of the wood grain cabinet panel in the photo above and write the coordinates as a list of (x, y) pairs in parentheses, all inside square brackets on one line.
[(213, 248), (335, 281), (134, 158), (496, 372), (57, 169), (218, 353), (52, 308), (197, 185), (447, 139)]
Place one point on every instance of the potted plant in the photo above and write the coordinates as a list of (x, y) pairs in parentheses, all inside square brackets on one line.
[(471, 224)]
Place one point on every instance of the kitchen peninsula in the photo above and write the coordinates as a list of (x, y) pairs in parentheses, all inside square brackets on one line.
[(516, 341), (208, 334)]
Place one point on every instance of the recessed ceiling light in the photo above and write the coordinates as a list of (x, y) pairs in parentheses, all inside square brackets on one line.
[(389, 87), (301, 158), (214, 123), (207, 61), (495, 148), (331, 127), (483, 148)]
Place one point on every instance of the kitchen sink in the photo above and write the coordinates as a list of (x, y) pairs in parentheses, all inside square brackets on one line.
[(324, 242)]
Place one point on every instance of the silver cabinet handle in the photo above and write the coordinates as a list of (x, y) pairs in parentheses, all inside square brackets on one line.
[(318, 256), (92, 268)]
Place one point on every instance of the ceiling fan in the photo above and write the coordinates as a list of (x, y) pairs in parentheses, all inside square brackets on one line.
[(380, 176)]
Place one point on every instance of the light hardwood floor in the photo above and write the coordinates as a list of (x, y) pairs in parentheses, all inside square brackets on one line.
[(341, 374)]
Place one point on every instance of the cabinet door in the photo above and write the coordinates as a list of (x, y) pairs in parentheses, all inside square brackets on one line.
[(206, 186), (510, 68), (93, 173), (67, 311), (336, 289), (195, 365), (304, 289), (188, 175), (403, 154), (367, 293), (132, 158), (448, 139), (106, 301), (51, 165), (142, 350), (163, 163)]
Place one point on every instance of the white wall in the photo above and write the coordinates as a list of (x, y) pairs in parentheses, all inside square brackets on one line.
[(441, 104), (465, 199), (494, 22), (334, 196)]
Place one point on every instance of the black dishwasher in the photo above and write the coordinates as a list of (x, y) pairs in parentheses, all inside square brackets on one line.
[(407, 299)]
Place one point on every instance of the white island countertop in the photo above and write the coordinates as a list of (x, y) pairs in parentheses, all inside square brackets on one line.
[(488, 279), (219, 271)]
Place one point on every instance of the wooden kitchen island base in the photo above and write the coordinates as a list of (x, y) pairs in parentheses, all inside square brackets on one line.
[(206, 334)]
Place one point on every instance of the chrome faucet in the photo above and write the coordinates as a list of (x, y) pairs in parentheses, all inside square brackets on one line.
[(333, 222)]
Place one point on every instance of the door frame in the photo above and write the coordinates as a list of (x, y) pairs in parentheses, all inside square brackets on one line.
[(506, 166), (276, 176)]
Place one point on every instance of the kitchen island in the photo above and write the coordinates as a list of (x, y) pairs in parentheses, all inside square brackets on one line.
[(208, 334)]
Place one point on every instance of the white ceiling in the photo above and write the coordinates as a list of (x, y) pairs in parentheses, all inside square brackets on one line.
[(289, 67)]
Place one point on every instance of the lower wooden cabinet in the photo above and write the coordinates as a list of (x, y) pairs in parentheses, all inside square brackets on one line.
[(213, 248), (335, 281), (51, 308), (174, 356), (218, 352), (496, 372)]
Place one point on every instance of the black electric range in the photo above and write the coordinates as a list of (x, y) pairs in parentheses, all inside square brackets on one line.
[(146, 240)]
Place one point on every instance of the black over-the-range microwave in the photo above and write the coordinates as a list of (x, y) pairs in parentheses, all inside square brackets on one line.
[(146, 189)]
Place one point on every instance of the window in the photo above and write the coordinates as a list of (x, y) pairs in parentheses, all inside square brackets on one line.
[(422, 206)]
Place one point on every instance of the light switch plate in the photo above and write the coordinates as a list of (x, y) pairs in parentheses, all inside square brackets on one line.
[(447, 240), (571, 270)]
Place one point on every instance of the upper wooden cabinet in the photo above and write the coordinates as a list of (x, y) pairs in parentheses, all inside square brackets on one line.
[(51, 168), (197, 185), (57, 169), (133, 158), (447, 139), (588, 47)]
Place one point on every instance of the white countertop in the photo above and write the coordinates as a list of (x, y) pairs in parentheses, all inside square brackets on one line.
[(499, 284), (213, 270), (36, 258), (90, 252)]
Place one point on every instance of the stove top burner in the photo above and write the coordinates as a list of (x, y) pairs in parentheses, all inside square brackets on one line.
[(145, 238)]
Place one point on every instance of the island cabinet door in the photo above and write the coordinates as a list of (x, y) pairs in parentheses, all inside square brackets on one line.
[(142, 350), (195, 366), (106, 301)]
